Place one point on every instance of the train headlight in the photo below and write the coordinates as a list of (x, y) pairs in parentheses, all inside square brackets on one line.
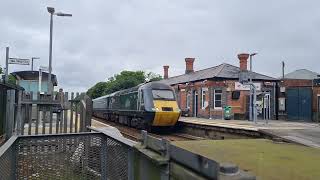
[(177, 110), (155, 109)]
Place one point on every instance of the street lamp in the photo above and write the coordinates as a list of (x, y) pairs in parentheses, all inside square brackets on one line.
[(251, 103), (33, 58), (51, 10)]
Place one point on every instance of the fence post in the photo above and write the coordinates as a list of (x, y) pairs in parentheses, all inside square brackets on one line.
[(88, 110), (10, 113), (19, 121)]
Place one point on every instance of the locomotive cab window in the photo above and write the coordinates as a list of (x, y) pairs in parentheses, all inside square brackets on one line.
[(163, 94)]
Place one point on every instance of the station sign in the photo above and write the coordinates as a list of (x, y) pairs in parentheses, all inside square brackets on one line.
[(19, 61), (246, 87)]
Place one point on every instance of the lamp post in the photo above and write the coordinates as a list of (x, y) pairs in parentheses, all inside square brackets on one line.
[(251, 103), (33, 58), (51, 10)]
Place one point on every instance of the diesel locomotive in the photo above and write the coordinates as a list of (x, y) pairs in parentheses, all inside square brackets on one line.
[(145, 106)]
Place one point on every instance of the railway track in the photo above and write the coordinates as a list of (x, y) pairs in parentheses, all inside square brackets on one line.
[(135, 134)]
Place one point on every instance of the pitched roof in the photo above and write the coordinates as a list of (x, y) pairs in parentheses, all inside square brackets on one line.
[(224, 70), (302, 74)]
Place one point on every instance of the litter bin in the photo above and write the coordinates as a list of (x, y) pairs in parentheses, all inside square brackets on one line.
[(227, 112)]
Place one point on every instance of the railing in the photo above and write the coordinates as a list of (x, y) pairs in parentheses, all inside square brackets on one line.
[(66, 156), (45, 114), (104, 155)]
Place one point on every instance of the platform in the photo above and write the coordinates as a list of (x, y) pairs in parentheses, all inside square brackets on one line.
[(264, 158), (300, 132)]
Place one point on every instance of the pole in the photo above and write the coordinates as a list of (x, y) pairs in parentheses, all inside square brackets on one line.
[(283, 69), (32, 64), (7, 65), (50, 55)]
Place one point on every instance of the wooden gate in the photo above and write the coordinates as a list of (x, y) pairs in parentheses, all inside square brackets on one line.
[(45, 114)]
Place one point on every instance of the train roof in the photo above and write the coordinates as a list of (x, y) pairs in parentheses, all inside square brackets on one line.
[(150, 85)]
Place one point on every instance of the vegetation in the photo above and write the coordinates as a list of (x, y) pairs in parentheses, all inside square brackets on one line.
[(12, 79), (124, 80)]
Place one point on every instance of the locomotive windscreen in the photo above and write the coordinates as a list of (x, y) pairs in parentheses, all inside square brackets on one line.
[(163, 94)]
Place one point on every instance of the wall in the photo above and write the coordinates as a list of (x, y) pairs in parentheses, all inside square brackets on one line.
[(240, 106)]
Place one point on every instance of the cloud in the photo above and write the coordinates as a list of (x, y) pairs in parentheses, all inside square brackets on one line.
[(104, 37)]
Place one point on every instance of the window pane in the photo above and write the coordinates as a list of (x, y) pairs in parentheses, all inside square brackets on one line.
[(163, 94), (217, 103), (218, 91), (217, 97)]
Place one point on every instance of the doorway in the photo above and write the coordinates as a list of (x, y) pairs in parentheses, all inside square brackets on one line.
[(299, 106), (266, 106), (195, 103)]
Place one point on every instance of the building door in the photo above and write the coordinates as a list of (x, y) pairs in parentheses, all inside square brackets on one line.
[(266, 106), (299, 105), (195, 103)]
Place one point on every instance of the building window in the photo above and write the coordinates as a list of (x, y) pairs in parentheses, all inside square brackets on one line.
[(204, 103), (188, 100), (217, 101)]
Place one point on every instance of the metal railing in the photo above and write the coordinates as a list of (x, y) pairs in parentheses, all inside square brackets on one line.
[(105, 155), (66, 156)]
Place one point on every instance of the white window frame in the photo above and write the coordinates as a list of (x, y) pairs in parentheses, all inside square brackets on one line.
[(188, 100), (214, 98), (203, 98)]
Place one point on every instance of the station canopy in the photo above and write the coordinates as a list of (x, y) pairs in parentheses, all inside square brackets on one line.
[(34, 75)]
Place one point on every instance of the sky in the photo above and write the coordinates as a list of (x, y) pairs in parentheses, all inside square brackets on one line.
[(105, 37)]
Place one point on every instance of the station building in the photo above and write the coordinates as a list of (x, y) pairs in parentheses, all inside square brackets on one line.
[(32, 81), (299, 96), (204, 93)]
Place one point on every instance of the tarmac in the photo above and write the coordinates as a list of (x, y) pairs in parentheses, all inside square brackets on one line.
[(304, 133)]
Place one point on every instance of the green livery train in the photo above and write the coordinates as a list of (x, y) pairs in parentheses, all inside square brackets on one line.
[(145, 106)]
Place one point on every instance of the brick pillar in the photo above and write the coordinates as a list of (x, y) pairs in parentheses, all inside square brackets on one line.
[(189, 65), (243, 58), (165, 72)]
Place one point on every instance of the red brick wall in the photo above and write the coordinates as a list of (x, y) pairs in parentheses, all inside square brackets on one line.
[(296, 83), (239, 106), (316, 92)]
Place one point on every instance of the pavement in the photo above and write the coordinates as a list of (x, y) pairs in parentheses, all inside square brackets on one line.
[(305, 133)]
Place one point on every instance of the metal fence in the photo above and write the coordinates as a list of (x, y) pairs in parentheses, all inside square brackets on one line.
[(66, 156)]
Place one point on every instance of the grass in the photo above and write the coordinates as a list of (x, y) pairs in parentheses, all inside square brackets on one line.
[(264, 158)]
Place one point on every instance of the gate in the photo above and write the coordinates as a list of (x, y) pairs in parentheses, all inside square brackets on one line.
[(299, 105), (45, 114)]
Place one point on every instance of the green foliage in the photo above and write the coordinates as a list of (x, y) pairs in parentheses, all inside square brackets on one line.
[(124, 80), (11, 78), (153, 77)]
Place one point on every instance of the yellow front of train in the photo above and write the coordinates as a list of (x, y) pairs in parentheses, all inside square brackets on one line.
[(167, 111)]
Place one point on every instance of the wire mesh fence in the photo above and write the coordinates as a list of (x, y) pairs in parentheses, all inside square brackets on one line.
[(68, 156)]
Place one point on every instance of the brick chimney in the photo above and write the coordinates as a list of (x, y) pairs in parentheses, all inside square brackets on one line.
[(243, 58), (189, 65), (165, 72)]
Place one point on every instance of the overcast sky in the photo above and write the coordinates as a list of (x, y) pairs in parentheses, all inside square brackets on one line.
[(105, 37)]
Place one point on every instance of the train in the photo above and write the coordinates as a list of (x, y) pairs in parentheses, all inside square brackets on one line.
[(146, 106)]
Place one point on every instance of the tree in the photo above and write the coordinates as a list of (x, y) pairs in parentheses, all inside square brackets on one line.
[(0, 70), (124, 80), (97, 90), (153, 77)]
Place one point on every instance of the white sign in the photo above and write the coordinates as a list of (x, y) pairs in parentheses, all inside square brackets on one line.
[(19, 61), (242, 87), (44, 68)]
